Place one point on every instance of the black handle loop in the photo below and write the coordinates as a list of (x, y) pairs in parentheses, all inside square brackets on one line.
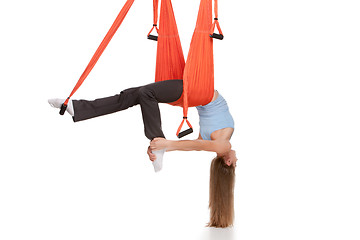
[(217, 36), (152, 37), (184, 133), (62, 109)]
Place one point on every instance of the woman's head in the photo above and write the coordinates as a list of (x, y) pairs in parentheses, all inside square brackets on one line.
[(230, 158), (221, 198)]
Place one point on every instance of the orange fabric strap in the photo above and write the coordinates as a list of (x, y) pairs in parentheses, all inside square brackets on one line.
[(119, 19), (156, 6), (216, 20)]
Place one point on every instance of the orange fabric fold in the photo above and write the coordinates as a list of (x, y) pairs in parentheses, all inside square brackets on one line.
[(198, 72)]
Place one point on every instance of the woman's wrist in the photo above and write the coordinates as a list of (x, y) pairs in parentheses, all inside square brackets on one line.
[(170, 145)]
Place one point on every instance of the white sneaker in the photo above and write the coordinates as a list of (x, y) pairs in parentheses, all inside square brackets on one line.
[(57, 102)]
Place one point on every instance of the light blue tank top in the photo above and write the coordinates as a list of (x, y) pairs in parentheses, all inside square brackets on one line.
[(214, 116)]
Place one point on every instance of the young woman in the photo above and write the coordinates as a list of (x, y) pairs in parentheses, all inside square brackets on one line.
[(216, 129)]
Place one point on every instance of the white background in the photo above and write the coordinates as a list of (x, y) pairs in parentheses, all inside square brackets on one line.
[(288, 69)]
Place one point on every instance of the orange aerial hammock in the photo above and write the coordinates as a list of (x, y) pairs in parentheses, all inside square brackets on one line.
[(198, 70)]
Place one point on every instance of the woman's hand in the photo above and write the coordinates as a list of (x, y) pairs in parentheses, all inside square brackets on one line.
[(158, 144), (152, 156)]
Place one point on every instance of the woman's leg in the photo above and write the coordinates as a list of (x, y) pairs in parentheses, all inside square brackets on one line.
[(147, 96), (85, 109)]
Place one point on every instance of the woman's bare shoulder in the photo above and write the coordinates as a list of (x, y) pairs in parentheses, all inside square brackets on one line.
[(222, 134)]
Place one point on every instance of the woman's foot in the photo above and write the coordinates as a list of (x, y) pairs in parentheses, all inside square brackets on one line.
[(57, 102), (157, 163)]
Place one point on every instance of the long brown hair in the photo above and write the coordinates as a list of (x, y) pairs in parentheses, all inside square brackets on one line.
[(221, 194)]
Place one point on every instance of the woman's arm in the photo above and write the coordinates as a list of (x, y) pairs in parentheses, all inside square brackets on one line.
[(218, 146)]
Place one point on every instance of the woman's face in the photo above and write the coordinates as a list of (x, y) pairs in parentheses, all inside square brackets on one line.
[(230, 158)]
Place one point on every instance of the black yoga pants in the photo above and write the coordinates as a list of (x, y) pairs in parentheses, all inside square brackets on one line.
[(147, 96)]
